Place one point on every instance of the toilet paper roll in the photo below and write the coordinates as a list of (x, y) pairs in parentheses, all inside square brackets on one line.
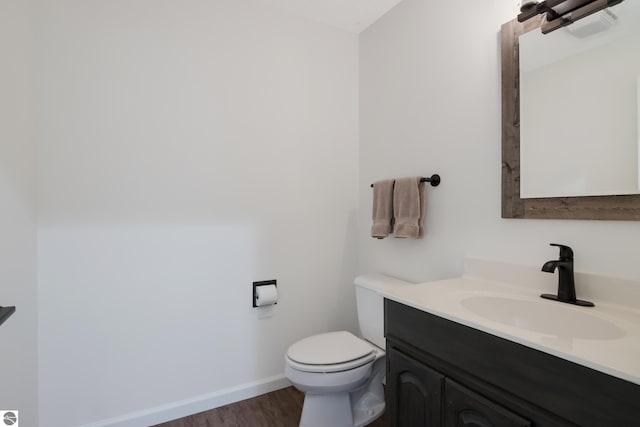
[(266, 295)]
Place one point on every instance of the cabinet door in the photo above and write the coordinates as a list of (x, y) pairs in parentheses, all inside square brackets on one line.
[(415, 392), (465, 408)]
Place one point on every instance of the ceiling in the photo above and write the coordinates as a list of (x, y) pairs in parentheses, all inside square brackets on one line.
[(349, 15)]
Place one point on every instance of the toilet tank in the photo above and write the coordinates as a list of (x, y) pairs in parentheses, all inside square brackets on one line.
[(370, 305)]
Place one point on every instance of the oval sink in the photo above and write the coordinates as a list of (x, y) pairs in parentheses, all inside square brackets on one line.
[(539, 316)]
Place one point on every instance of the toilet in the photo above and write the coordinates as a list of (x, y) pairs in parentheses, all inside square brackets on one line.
[(341, 374)]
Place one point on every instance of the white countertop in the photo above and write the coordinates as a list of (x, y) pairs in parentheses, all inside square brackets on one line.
[(616, 351)]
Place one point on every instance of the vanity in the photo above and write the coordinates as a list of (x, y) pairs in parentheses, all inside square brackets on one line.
[(482, 351)]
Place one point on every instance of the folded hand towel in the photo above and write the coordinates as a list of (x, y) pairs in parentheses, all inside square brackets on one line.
[(408, 207), (382, 209)]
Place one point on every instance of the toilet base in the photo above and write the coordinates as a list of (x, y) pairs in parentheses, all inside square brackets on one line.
[(315, 413), (343, 413), (347, 409), (368, 402)]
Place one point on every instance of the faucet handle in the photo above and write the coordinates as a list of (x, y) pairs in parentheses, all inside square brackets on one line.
[(566, 253)]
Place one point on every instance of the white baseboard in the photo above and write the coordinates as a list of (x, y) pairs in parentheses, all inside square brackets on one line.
[(183, 408)]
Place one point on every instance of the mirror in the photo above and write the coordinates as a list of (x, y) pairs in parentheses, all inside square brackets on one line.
[(613, 207), (579, 106)]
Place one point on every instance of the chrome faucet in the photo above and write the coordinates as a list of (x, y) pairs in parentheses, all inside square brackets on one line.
[(566, 282)]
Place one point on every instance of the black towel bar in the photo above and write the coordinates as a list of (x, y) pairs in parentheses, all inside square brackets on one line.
[(433, 179)]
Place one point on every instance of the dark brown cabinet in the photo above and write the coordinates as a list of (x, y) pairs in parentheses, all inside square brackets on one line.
[(421, 396), (444, 374), (464, 408), (417, 396)]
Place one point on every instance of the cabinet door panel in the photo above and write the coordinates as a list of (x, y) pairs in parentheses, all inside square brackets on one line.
[(415, 392), (465, 408)]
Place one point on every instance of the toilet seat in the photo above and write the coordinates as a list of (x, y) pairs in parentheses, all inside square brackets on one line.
[(336, 367), (330, 352)]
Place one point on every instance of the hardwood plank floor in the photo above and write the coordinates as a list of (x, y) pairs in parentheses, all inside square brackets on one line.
[(281, 408)]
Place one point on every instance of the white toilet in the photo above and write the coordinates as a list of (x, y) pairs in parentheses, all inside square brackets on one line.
[(341, 374)]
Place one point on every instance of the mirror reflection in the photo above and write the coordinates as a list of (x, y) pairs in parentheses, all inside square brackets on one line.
[(579, 107)]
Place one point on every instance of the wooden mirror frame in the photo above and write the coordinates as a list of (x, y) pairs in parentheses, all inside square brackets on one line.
[(626, 207)]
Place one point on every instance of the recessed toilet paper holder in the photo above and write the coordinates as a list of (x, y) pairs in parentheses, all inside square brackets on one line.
[(258, 284), (5, 313)]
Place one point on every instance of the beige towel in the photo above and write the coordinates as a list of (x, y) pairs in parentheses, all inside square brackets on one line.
[(408, 208), (382, 209)]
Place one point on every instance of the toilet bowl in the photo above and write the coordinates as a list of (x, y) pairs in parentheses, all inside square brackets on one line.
[(336, 372), (341, 374)]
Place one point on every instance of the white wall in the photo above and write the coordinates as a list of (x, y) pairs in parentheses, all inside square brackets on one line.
[(185, 150), (430, 102), (18, 335)]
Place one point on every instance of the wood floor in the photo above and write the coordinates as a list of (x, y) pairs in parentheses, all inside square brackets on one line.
[(281, 408)]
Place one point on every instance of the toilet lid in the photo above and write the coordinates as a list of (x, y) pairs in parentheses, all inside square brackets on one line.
[(330, 348)]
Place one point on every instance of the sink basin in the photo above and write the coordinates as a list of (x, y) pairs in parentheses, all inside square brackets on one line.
[(544, 317)]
